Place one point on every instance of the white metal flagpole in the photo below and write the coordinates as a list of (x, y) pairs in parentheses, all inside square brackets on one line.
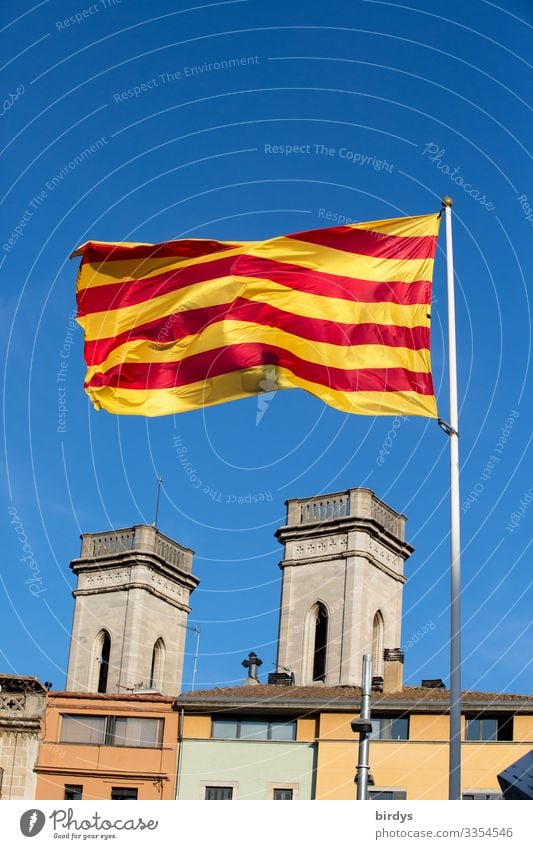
[(452, 429)]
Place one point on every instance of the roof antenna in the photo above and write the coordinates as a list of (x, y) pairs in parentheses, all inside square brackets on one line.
[(159, 482)]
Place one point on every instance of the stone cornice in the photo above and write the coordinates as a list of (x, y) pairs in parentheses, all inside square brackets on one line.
[(130, 558), (345, 555), (101, 773), (134, 585), (344, 525), (316, 706), (8, 724)]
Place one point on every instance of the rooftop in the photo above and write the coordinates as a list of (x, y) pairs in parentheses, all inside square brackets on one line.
[(113, 697), (345, 698)]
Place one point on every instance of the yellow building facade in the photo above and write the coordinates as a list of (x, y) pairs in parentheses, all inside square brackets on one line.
[(415, 767)]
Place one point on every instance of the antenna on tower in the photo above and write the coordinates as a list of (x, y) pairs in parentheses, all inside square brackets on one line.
[(159, 482), (196, 631)]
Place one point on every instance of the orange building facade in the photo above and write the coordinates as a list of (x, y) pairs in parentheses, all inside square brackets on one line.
[(99, 746)]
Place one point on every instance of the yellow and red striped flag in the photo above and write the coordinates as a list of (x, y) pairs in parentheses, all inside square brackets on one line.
[(342, 312)]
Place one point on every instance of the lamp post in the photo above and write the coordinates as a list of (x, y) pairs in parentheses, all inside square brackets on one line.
[(363, 727)]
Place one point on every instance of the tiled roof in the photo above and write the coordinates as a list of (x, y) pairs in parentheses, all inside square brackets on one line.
[(114, 697), (345, 697)]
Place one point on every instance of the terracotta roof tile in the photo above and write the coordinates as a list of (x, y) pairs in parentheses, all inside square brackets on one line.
[(113, 697), (342, 695)]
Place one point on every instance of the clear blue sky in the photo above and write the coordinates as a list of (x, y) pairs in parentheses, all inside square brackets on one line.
[(433, 92)]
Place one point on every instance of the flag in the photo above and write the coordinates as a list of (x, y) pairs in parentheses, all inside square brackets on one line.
[(342, 312)]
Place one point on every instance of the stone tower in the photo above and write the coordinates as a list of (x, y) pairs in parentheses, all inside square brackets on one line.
[(130, 614), (342, 586)]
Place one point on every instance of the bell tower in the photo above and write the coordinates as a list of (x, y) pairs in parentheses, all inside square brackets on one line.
[(343, 577), (131, 611)]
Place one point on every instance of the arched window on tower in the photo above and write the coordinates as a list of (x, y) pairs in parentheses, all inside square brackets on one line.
[(378, 627), (100, 671), (320, 642), (158, 663)]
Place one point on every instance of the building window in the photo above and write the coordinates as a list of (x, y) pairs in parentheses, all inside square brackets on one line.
[(100, 662), (283, 793), (121, 794), (378, 627), (73, 791), (253, 729), (320, 642), (489, 729), (390, 728), (112, 731), (136, 731), (387, 795), (158, 663), (83, 729), (219, 793), (485, 795)]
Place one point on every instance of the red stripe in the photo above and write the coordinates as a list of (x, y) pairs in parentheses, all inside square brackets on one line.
[(243, 356), (328, 285), (370, 242), (179, 249), (181, 324), (118, 295)]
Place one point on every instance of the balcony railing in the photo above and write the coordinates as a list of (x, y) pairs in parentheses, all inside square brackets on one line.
[(138, 538), (353, 503)]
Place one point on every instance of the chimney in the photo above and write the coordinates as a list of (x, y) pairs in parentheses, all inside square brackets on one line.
[(252, 663), (433, 684), (393, 670)]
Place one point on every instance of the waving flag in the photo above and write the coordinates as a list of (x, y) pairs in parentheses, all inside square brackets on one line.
[(342, 312)]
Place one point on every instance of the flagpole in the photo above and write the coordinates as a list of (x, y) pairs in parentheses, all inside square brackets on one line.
[(452, 429)]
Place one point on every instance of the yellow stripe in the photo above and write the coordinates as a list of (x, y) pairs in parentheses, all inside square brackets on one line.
[(222, 290), (234, 332), (342, 263), (416, 225), (229, 387)]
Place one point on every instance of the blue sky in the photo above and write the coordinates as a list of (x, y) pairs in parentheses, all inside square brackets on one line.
[(180, 143)]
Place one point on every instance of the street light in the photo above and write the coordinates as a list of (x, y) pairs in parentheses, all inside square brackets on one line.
[(363, 727)]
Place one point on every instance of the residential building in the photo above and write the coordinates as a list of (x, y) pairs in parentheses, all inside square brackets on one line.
[(249, 742), (100, 746)]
